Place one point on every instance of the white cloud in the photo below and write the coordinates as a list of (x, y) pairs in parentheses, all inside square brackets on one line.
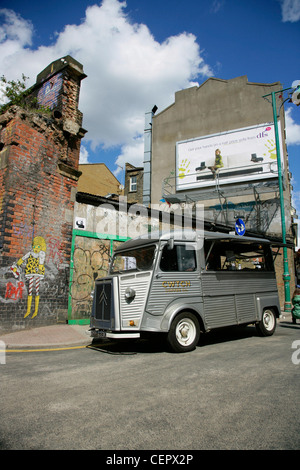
[(128, 70), (16, 57), (132, 153), (292, 129), (290, 10), (84, 154), (296, 200), (15, 31)]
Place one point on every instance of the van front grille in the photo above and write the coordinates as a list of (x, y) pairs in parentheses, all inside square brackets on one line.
[(103, 300)]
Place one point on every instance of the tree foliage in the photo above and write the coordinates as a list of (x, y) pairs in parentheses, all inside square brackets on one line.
[(14, 92)]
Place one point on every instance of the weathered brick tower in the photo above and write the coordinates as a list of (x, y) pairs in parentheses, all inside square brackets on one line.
[(39, 156)]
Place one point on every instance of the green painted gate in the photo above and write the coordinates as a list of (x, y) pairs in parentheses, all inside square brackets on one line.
[(90, 255)]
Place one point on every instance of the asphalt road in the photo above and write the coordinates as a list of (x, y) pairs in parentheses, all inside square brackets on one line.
[(235, 391)]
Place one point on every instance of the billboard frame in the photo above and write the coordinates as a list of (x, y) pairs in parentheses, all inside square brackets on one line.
[(253, 147)]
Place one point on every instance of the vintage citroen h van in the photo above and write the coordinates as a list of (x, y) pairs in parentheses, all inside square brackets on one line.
[(181, 284)]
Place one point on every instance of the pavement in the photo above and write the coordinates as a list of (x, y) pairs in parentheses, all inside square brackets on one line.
[(60, 336), (56, 336)]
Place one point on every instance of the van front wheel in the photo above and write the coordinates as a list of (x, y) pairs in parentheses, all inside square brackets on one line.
[(184, 332), (267, 325)]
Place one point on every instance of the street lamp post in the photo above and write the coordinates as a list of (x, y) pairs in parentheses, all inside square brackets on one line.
[(286, 274)]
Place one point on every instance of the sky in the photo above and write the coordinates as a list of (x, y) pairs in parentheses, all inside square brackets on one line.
[(137, 54)]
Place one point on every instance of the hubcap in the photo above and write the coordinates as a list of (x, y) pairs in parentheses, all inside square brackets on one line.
[(268, 320), (185, 332)]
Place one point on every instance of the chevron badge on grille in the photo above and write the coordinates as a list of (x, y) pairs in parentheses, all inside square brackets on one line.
[(103, 297)]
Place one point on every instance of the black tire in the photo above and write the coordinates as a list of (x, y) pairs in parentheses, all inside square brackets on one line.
[(184, 333), (267, 325)]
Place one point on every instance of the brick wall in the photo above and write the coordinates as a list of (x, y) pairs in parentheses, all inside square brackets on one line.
[(38, 178)]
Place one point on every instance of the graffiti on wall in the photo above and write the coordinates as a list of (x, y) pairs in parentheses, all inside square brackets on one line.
[(14, 291), (34, 270), (23, 279), (43, 273), (27, 273), (54, 251), (90, 261), (49, 92)]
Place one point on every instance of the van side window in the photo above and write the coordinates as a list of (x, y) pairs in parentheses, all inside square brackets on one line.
[(237, 256), (180, 258)]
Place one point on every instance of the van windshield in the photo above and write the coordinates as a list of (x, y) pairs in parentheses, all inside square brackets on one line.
[(136, 259)]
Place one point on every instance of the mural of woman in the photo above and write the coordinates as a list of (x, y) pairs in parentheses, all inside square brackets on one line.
[(34, 271)]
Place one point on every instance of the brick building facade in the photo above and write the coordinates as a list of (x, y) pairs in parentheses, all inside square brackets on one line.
[(39, 160), (134, 184)]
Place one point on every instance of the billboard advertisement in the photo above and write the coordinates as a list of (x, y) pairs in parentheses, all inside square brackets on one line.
[(237, 156)]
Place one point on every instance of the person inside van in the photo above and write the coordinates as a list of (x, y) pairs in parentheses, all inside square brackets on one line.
[(296, 304)]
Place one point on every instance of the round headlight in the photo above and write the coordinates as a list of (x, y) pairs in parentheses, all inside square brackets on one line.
[(129, 293)]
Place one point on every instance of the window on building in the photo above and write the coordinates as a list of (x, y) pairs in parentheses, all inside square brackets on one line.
[(133, 183)]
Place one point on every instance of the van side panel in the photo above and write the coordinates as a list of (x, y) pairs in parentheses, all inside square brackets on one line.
[(230, 297), (266, 301), (167, 287)]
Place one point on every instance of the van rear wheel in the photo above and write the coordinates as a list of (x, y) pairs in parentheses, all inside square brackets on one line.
[(184, 332), (267, 325)]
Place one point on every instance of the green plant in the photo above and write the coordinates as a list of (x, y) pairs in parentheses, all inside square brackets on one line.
[(13, 91)]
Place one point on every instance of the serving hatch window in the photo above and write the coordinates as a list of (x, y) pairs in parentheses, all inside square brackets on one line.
[(136, 259), (226, 255)]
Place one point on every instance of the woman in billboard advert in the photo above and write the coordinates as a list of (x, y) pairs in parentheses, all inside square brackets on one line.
[(218, 162)]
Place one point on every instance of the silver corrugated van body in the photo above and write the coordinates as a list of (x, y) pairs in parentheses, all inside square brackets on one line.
[(182, 283)]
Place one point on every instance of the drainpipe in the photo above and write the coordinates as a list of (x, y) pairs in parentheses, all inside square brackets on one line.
[(148, 156)]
